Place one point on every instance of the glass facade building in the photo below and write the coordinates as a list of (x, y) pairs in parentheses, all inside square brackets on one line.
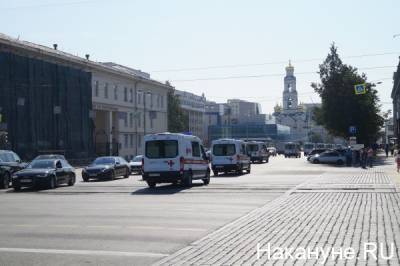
[(262, 132)]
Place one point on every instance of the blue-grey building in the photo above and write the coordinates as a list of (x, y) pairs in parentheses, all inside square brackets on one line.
[(262, 132)]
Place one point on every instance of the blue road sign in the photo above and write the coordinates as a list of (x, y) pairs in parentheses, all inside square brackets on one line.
[(352, 130)]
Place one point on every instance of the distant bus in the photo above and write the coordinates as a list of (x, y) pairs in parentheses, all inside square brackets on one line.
[(292, 150), (329, 146), (320, 146), (308, 147)]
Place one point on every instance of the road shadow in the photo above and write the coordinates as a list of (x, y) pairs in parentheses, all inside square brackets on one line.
[(167, 189), (228, 175), (34, 189), (382, 161)]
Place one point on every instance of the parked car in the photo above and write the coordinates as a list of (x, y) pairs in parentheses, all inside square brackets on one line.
[(272, 151), (48, 173), (9, 164), (257, 151), (173, 158), (314, 152), (49, 156), (136, 164), (330, 157), (292, 150), (229, 155), (106, 167)]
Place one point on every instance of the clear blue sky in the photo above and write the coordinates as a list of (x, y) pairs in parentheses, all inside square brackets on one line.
[(156, 35)]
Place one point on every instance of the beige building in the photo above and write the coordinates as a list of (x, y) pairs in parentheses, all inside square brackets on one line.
[(194, 107), (127, 105)]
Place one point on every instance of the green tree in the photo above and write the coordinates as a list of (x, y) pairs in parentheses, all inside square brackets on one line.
[(178, 121), (341, 107)]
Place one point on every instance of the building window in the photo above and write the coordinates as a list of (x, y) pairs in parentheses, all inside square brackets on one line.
[(139, 97), (131, 120), (151, 100), (139, 141), (151, 122), (126, 140), (131, 95), (131, 140), (116, 92), (96, 88), (125, 94), (106, 91), (162, 101), (158, 101), (139, 119), (126, 120)]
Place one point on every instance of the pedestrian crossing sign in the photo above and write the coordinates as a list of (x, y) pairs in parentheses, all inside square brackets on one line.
[(359, 89)]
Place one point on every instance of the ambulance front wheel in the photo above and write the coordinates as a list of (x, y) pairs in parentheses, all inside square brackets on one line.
[(151, 184)]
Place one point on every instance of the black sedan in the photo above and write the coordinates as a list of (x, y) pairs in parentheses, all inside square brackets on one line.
[(9, 164), (106, 168), (47, 173)]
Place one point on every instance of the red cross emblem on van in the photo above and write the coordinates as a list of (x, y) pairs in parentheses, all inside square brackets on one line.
[(170, 163)]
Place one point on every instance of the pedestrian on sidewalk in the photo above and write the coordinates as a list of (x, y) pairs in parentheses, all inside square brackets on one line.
[(398, 161), (370, 156), (363, 158), (387, 149)]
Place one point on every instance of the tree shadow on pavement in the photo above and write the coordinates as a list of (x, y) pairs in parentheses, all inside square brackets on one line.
[(164, 189), (382, 160)]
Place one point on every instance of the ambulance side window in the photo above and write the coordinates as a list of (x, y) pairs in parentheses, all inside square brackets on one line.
[(242, 149), (195, 149)]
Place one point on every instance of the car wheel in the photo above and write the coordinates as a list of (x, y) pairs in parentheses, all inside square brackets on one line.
[(249, 169), (112, 175), (17, 188), (85, 179), (207, 178), (340, 162), (127, 173), (71, 181), (315, 161), (215, 173), (52, 183), (6, 181), (189, 180), (151, 184)]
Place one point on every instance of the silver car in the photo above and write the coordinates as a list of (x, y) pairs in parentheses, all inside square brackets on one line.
[(329, 157)]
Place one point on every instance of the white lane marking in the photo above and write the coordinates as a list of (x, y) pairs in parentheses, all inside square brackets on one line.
[(110, 227), (166, 228), (84, 252)]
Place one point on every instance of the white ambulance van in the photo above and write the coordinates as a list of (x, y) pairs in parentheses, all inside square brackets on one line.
[(257, 151), (174, 158), (229, 155)]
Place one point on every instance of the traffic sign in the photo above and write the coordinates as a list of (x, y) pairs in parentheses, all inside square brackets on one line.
[(352, 130), (360, 89)]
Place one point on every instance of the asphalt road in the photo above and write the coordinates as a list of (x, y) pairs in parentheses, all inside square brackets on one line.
[(122, 222)]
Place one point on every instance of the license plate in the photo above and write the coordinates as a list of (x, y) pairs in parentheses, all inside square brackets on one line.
[(92, 175), (154, 174), (25, 181), (219, 166)]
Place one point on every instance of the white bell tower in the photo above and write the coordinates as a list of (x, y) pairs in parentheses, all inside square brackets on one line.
[(290, 99)]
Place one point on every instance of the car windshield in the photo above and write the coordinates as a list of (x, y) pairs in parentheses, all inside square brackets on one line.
[(308, 146), (104, 160), (137, 159), (42, 164), (6, 157), (49, 156), (224, 149), (252, 147), (157, 149), (290, 146)]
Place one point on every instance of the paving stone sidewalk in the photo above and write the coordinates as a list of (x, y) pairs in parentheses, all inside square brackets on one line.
[(353, 208)]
